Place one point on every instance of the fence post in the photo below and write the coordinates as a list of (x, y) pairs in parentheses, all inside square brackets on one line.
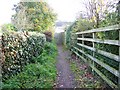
[(93, 51), (119, 63), (83, 44), (70, 40), (75, 41), (65, 38)]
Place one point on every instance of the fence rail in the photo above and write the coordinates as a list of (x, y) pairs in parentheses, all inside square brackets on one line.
[(79, 49)]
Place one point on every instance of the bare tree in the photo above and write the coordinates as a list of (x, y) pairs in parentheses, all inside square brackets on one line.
[(97, 9)]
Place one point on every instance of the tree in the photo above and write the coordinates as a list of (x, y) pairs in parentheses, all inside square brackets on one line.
[(96, 10), (36, 16)]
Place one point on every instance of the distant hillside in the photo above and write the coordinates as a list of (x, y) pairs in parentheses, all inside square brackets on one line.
[(61, 24)]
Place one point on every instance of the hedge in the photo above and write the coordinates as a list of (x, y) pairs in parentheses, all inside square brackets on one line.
[(41, 74), (19, 49)]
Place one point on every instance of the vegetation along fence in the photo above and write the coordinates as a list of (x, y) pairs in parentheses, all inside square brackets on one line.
[(101, 51)]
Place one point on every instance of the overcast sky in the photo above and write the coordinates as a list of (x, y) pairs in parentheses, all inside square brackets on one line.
[(6, 10), (66, 9)]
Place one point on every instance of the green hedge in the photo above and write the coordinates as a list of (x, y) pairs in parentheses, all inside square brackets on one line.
[(41, 74), (19, 49), (68, 35)]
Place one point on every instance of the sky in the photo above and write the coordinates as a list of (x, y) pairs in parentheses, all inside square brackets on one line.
[(6, 10), (66, 10)]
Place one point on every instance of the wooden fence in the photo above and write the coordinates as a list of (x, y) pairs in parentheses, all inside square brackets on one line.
[(79, 48)]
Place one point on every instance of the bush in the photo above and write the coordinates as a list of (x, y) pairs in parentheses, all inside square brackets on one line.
[(68, 35), (19, 50), (8, 27), (78, 26), (48, 35), (37, 75)]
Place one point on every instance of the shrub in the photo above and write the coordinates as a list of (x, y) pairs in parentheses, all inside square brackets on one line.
[(19, 50), (8, 27), (38, 74), (48, 35)]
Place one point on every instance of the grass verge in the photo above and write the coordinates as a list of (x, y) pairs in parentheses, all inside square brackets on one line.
[(83, 78)]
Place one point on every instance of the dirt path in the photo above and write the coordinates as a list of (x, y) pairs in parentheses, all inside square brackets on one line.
[(65, 77)]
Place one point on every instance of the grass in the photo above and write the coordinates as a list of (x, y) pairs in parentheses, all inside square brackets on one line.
[(83, 78)]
